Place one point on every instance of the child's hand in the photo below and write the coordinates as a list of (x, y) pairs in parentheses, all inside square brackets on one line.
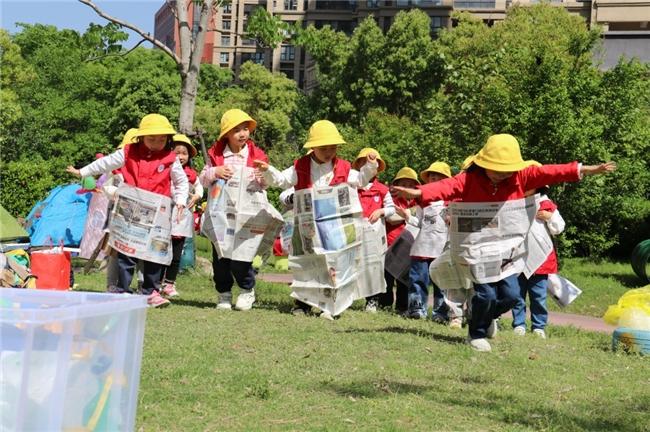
[(261, 165), (598, 169), (223, 172), (374, 217), (404, 192), (74, 171), (192, 202), (179, 216), (544, 215), (372, 157), (404, 213)]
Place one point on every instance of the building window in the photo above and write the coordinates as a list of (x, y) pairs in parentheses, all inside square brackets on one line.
[(288, 72), (336, 4), (287, 53), (475, 4), (227, 9), (224, 57), (437, 23), (372, 3), (256, 57), (225, 40), (225, 25), (291, 5)]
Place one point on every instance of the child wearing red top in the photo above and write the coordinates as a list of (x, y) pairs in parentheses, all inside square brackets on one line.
[(498, 173)]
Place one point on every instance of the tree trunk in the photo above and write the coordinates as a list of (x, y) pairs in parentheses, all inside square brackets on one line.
[(189, 86)]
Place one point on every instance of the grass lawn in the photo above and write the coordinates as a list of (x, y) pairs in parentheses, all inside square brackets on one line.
[(268, 370)]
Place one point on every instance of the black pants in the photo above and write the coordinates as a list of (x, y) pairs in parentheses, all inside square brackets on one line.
[(171, 271), (151, 271), (401, 294), (227, 271)]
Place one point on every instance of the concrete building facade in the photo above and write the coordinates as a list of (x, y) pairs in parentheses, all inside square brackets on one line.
[(625, 25)]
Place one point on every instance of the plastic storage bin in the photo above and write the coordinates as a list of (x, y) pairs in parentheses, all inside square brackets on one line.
[(69, 361), (631, 340)]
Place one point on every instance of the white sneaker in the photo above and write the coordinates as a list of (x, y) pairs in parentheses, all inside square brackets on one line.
[(480, 345), (225, 301), (245, 300), (493, 329), (326, 315), (540, 333), (519, 331)]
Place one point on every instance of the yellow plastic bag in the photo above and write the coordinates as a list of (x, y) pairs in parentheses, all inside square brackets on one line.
[(632, 309)]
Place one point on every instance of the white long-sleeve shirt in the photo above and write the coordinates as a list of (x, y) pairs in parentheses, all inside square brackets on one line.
[(321, 175), (180, 185)]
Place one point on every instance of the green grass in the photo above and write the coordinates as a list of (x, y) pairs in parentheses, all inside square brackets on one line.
[(265, 369)]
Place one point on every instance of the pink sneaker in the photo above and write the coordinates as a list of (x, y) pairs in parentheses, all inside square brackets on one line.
[(156, 300), (169, 290)]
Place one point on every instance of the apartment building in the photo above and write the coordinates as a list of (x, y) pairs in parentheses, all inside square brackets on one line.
[(625, 25)]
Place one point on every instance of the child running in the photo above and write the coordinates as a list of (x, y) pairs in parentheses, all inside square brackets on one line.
[(182, 227), (498, 173), (149, 164)]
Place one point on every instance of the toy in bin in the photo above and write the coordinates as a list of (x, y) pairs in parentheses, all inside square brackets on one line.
[(632, 315)]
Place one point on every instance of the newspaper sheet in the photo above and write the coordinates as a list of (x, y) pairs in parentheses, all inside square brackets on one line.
[(448, 274), (140, 225), (371, 279), (539, 246), (286, 233), (240, 221), (434, 232), (398, 255), (327, 256), (487, 239), (94, 227), (185, 226)]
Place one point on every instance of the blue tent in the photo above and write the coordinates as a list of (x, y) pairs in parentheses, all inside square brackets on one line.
[(59, 218)]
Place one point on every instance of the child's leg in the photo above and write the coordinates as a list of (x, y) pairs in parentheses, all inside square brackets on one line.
[(385, 299), (112, 273), (538, 284), (222, 277), (126, 265), (508, 292), (419, 288), (519, 309), (171, 271), (440, 309), (483, 307), (152, 272), (401, 297), (245, 277)]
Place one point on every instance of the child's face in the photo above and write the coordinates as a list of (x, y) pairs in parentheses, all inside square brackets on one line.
[(182, 153), (497, 176), (432, 177), (407, 183), (238, 135), (155, 142), (325, 154)]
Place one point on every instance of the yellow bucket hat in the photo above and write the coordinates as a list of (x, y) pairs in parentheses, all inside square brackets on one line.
[(469, 160), (364, 153), (436, 167), (180, 138), (406, 173), (129, 137), (234, 117), (501, 153), (154, 124), (323, 133)]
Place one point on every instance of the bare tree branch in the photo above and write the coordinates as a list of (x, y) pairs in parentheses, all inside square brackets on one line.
[(121, 54), (145, 35)]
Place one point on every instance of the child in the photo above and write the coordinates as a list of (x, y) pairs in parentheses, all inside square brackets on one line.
[(149, 164), (537, 285), (376, 202), (427, 246), (185, 151), (233, 151), (498, 173), (320, 168), (405, 177)]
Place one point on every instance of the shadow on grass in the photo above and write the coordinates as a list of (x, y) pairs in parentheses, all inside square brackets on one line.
[(628, 280), (412, 331), (201, 304), (374, 389)]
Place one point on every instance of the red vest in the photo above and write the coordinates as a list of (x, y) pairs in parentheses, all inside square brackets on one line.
[(303, 172), (148, 170), (254, 153), (394, 231), (191, 174), (550, 265), (373, 198)]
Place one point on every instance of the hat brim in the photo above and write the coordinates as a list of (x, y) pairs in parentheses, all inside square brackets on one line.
[(406, 178), (155, 131), (252, 125), (512, 167), (322, 143), (425, 172)]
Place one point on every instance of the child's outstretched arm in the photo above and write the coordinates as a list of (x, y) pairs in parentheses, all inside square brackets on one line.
[(274, 177), (100, 166), (602, 168)]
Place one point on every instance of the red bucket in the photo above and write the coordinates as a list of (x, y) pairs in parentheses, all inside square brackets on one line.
[(52, 269)]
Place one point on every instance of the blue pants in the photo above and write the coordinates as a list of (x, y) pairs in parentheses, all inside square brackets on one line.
[(536, 288), (489, 302), (227, 271), (418, 293), (126, 265)]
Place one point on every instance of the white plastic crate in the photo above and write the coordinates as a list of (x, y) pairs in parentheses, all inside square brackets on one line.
[(69, 361)]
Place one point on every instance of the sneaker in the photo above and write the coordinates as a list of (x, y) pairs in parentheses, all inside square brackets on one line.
[(519, 331), (493, 329), (371, 306), (156, 300), (169, 290), (224, 302), (416, 314), (438, 318), (326, 315), (480, 345), (540, 333), (245, 300), (456, 323)]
